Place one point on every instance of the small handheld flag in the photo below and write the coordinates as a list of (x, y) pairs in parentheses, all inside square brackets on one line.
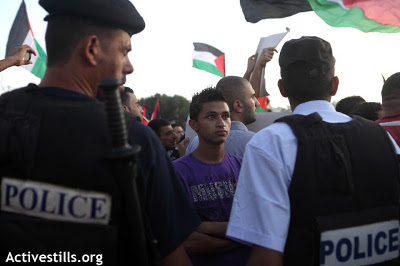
[(21, 33), (208, 58)]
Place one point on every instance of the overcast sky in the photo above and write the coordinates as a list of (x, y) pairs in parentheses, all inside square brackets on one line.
[(162, 53)]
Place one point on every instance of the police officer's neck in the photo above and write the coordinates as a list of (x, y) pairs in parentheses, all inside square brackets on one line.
[(294, 104), (69, 79)]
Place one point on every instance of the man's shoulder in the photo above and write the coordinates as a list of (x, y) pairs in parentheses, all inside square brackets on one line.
[(388, 119), (276, 135), (238, 136), (185, 160), (276, 128), (139, 132), (187, 166), (16, 93), (234, 158), (240, 132)]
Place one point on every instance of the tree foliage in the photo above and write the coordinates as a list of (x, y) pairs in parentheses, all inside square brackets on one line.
[(175, 108)]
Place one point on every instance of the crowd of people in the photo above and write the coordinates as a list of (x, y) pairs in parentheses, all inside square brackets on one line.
[(318, 187)]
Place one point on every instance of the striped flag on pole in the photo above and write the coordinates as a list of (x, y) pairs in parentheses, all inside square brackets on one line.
[(21, 33), (208, 58), (156, 112), (144, 120)]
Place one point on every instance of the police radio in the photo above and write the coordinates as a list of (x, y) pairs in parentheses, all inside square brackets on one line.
[(123, 160)]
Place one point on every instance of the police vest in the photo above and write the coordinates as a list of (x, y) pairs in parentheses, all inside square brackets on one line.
[(57, 190), (344, 195)]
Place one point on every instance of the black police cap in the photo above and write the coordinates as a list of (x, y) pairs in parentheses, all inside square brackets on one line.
[(313, 50), (116, 13)]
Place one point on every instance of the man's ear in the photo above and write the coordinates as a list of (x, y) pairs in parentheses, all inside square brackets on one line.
[(91, 49), (334, 86), (238, 106), (282, 88), (193, 125), (125, 107)]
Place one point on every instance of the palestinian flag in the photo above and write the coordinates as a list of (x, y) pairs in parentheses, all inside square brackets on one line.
[(367, 15), (256, 10), (20, 34), (156, 113), (263, 105), (208, 58)]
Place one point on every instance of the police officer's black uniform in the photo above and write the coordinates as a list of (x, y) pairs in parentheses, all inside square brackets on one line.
[(58, 193), (334, 187)]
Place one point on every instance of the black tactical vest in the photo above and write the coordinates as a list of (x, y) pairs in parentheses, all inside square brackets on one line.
[(346, 175), (49, 141)]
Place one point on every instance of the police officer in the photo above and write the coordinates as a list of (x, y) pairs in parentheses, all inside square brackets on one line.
[(57, 190), (318, 187)]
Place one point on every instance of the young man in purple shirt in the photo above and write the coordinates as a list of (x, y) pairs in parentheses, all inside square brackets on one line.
[(209, 175)]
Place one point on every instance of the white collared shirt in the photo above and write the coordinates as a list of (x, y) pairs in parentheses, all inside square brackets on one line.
[(261, 208)]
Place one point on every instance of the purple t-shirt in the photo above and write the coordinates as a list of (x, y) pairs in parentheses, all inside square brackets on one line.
[(211, 188)]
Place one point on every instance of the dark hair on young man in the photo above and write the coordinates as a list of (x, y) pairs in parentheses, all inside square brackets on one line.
[(157, 124), (301, 85), (232, 89), (391, 86), (125, 96), (65, 32), (205, 96), (349, 104), (369, 110)]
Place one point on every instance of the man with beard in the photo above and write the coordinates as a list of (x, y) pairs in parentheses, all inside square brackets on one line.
[(242, 102)]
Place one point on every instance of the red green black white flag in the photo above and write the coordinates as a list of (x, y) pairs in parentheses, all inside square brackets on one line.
[(367, 15), (20, 34), (209, 58), (263, 104)]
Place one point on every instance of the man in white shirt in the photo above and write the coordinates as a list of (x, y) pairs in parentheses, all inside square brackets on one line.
[(284, 203)]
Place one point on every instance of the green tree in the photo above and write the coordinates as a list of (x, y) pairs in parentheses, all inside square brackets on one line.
[(175, 108)]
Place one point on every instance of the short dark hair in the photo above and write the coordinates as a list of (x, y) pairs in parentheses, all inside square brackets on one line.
[(205, 96), (369, 110), (307, 69), (125, 96), (175, 125), (349, 104), (232, 88), (65, 32), (391, 86), (157, 124), (301, 87)]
